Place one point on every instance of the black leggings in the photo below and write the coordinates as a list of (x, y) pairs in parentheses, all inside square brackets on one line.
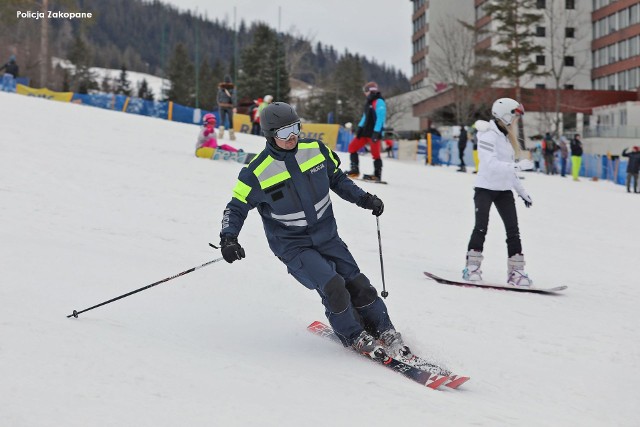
[(506, 206)]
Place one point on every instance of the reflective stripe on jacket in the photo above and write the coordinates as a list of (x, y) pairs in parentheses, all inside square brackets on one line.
[(290, 189)]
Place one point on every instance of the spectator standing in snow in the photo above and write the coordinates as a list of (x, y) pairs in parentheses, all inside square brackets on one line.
[(226, 106), (369, 131), (633, 167), (550, 148), (576, 156), (254, 116), (289, 183), (537, 157), (564, 155), (474, 140), (462, 145), (11, 70), (498, 148)]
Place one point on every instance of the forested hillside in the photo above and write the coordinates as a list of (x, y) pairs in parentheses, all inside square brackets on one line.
[(192, 51)]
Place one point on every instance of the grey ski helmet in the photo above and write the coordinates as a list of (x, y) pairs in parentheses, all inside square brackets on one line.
[(276, 115)]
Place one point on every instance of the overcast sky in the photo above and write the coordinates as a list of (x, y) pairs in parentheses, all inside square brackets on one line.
[(378, 29)]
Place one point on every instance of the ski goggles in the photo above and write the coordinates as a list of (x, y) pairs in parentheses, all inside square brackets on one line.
[(286, 131), (519, 110)]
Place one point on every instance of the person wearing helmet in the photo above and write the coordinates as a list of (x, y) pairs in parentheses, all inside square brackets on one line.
[(498, 150), (207, 137), (368, 132), (289, 183)]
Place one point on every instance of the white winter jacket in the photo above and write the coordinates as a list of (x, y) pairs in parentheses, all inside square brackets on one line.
[(497, 160)]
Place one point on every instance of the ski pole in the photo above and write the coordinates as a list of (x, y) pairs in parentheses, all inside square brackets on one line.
[(384, 292), (76, 313)]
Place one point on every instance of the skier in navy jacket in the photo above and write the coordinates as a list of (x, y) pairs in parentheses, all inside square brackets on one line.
[(289, 183)]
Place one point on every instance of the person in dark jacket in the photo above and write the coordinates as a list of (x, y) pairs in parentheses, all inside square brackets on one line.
[(632, 168), (462, 145), (550, 148), (289, 183), (11, 71), (226, 106), (576, 156), (369, 132), (254, 116)]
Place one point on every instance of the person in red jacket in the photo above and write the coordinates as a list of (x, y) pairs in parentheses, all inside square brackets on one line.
[(369, 132)]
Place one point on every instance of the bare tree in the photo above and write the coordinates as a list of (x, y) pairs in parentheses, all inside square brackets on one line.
[(297, 47), (562, 46), (458, 63)]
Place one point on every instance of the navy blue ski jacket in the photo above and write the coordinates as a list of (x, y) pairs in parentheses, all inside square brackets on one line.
[(290, 189)]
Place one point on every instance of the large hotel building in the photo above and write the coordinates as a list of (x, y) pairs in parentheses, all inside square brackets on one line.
[(596, 43)]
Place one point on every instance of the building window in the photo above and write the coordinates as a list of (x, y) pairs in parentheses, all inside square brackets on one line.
[(540, 60), (633, 14), (569, 87), (569, 61), (541, 32), (569, 32), (570, 4), (541, 4), (541, 86), (623, 18)]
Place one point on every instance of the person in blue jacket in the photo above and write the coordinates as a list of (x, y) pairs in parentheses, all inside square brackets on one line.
[(289, 182), (369, 130)]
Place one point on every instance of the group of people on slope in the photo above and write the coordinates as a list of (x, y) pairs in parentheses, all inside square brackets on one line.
[(227, 102), (546, 151), (289, 183)]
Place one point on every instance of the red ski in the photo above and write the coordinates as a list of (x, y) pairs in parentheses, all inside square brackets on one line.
[(423, 377)]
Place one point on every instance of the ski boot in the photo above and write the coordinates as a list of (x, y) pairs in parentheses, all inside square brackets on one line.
[(395, 347), (515, 271), (366, 344), (232, 135), (472, 272), (220, 132)]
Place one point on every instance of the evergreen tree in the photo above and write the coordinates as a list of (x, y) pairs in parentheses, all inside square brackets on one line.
[(181, 77), (123, 86), (144, 91), (516, 49), (82, 79), (105, 86), (208, 86), (263, 67), (341, 94)]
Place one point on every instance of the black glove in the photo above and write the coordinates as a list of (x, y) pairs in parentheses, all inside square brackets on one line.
[(527, 201), (231, 249), (359, 132), (372, 202), (375, 137)]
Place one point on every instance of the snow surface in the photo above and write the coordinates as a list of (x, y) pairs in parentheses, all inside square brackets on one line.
[(155, 83), (96, 203)]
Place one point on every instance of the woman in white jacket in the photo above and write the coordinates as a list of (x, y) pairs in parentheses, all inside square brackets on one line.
[(498, 149)]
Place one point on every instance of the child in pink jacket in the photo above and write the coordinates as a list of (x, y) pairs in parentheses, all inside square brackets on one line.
[(207, 135)]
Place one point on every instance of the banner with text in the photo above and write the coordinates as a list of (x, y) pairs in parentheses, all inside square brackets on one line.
[(44, 93)]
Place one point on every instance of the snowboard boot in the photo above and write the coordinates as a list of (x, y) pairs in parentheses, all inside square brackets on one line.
[(221, 132), (472, 272), (232, 135), (366, 344), (354, 172), (515, 271)]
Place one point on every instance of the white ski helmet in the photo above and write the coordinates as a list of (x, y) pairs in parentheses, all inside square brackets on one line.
[(506, 109)]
